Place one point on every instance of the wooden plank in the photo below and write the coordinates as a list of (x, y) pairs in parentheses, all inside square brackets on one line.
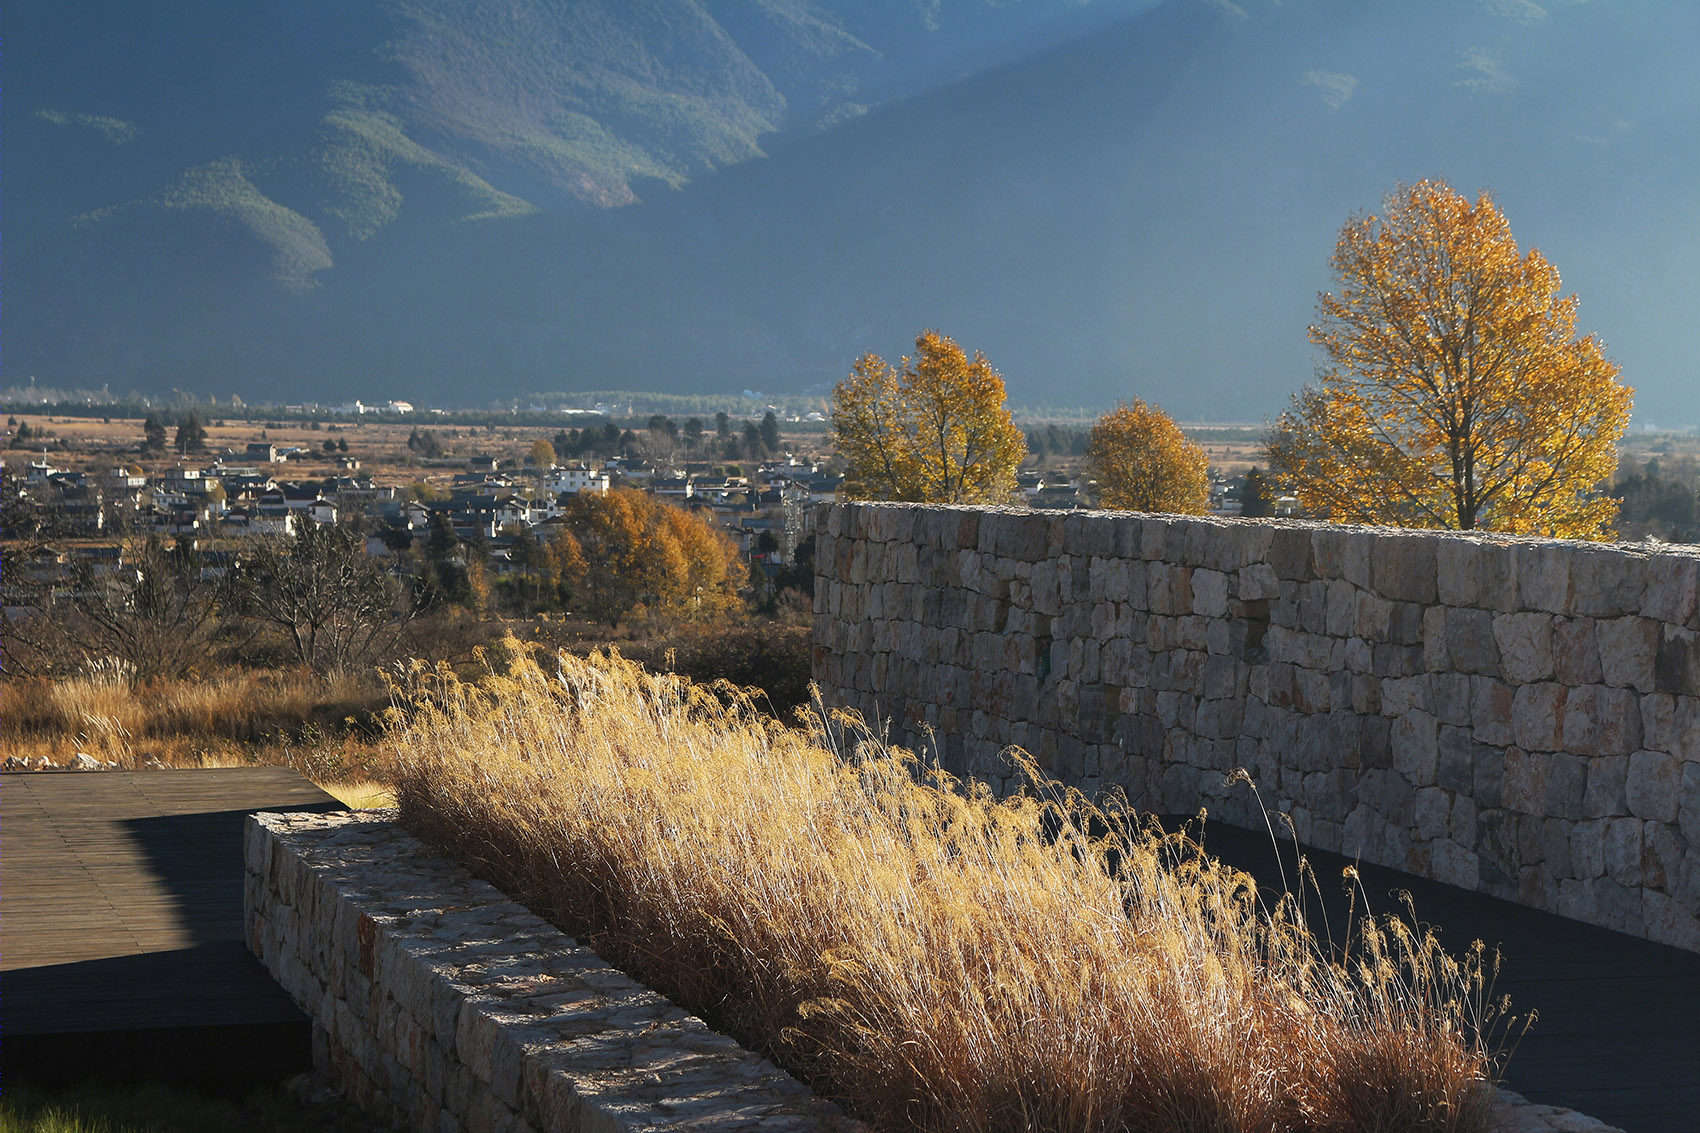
[(123, 899)]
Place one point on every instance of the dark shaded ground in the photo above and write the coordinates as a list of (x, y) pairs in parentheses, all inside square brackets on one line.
[(1618, 1033), (121, 943)]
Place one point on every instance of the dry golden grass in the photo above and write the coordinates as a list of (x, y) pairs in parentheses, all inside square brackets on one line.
[(927, 954), (239, 718)]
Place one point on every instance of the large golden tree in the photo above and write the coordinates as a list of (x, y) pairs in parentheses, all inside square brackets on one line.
[(1457, 393), (935, 430), (1143, 462)]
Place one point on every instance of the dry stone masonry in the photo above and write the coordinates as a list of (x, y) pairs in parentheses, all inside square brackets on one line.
[(1517, 716), (440, 1004)]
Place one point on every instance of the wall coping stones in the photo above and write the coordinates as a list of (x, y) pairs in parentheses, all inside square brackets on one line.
[(438, 1001)]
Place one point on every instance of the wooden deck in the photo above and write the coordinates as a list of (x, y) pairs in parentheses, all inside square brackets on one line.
[(121, 942), (1618, 1033)]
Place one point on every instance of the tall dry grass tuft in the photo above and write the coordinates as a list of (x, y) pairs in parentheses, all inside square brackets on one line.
[(929, 955)]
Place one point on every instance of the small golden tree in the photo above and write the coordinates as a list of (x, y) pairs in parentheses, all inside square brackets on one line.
[(628, 549), (934, 431), (1143, 462), (1458, 394)]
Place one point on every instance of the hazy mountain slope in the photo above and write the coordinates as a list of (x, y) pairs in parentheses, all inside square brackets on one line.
[(1147, 209)]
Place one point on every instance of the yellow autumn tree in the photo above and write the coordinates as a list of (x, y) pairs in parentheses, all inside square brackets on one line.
[(1143, 462), (935, 430), (1457, 394), (628, 549)]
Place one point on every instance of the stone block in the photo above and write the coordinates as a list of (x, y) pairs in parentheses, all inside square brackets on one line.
[(1464, 815), (1343, 554), (1653, 786), (1525, 646), (1671, 588), (1435, 654), (1403, 566), (1623, 846), (1500, 860), (1607, 582), (1290, 554), (1567, 778), (1470, 644), (1453, 864), (1688, 813), (1670, 921), (1523, 784), (1432, 812), (1405, 623), (1449, 698), (1537, 715), (1605, 795), (1340, 608), (1628, 647), (1416, 748), (1209, 593), (1373, 618), (1472, 572), (1676, 668), (1576, 652), (1257, 582), (1491, 710), (1543, 577), (1453, 768)]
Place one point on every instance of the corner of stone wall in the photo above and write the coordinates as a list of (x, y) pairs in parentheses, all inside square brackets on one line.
[(437, 1002)]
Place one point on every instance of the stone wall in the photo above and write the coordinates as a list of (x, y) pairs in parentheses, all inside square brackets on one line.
[(439, 1003), (1517, 716)]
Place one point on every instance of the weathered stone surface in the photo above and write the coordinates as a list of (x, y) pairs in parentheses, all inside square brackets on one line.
[(1403, 566), (1537, 716), (1543, 577), (1676, 669), (1628, 647), (1671, 588), (1470, 644), (1473, 572), (468, 1012), (1365, 676), (1653, 786), (1525, 646), (1607, 582), (1576, 651)]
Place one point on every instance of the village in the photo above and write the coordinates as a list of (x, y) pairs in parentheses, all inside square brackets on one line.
[(77, 507)]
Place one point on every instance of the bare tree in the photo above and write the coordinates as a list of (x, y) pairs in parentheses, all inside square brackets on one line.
[(157, 612), (336, 603)]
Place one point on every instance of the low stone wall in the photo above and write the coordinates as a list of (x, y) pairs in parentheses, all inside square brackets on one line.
[(1517, 716), (437, 1002), (440, 1006)]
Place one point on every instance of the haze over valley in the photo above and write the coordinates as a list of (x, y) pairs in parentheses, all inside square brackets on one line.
[(452, 204)]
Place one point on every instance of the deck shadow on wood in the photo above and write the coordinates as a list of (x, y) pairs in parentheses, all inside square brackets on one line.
[(124, 949), (209, 1015)]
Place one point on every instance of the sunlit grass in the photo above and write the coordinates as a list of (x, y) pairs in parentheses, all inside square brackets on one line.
[(324, 728), (929, 955), (361, 794)]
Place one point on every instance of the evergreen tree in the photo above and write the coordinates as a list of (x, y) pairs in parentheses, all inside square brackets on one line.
[(153, 433)]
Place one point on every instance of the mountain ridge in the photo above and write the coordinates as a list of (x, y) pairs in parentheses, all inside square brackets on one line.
[(1143, 208)]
